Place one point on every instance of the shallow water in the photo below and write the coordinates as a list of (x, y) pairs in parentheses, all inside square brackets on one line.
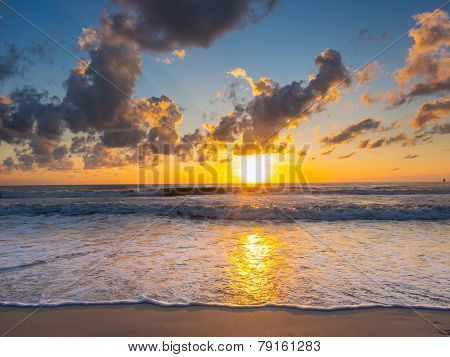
[(347, 246)]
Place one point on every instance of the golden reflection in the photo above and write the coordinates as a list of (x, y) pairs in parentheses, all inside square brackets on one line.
[(253, 274)]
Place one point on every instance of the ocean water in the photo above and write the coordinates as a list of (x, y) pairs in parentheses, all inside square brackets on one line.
[(326, 246)]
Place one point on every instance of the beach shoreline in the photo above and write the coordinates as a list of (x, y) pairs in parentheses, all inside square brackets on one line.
[(205, 321)]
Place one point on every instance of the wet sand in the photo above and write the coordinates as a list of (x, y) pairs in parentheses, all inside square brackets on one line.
[(152, 320)]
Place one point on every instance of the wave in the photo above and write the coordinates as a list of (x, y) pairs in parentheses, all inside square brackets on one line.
[(315, 211), (222, 305), (131, 191)]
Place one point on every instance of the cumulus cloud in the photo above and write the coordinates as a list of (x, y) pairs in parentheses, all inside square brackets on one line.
[(161, 26), (431, 112), (163, 136), (98, 96), (34, 121), (352, 131), (428, 60), (287, 105), (261, 119)]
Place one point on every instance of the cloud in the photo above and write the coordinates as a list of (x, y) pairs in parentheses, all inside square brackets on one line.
[(89, 39), (287, 105), (400, 137), (376, 144), (161, 26), (363, 144), (347, 156), (180, 54), (351, 132), (8, 164), (328, 152), (229, 127), (166, 115), (9, 63), (367, 73), (263, 86), (99, 156), (431, 112), (428, 60), (410, 156), (384, 141), (364, 35), (261, 119), (367, 98), (98, 96), (440, 129), (28, 114)]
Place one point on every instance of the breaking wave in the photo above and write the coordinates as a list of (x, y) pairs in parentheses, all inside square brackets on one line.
[(329, 211)]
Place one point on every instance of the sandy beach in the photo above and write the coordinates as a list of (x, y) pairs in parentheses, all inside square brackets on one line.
[(151, 320)]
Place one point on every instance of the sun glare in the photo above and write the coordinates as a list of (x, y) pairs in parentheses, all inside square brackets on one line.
[(253, 168)]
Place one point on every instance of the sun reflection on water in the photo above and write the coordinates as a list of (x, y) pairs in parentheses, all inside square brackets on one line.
[(253, 272)]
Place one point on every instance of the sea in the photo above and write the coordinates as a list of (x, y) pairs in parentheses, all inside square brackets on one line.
[(317, 246)]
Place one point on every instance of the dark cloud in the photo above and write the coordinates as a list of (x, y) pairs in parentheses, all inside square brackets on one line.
[(376, 144), (105, 106), (30, 114), (38, 52), (8, 164), (33, 121), (385, 141), (98, 156), (410, 156), (9, 63), (365, 35), (431, 112), (164, 26), (351, 132), (229, 126), (60, 152), (440, 129), (288, 104)]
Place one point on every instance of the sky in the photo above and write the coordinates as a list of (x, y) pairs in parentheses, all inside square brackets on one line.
[(363, 86)]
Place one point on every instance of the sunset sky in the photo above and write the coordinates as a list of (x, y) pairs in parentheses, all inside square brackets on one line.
[(241, 71)]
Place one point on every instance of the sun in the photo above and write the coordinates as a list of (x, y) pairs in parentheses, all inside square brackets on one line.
[(253, 168)]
